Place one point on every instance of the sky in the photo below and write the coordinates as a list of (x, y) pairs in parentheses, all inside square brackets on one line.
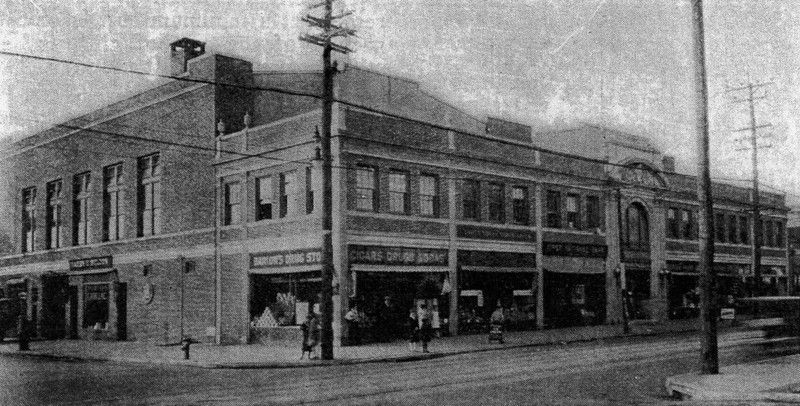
[(621, 64)]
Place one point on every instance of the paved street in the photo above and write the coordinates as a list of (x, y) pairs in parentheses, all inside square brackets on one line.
[(620, 371)]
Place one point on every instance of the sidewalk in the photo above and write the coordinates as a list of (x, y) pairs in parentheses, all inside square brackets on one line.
[(260, 356), (773, 380)]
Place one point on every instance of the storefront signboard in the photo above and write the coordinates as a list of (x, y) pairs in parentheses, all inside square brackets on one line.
[(562, 249), (275, 259), (380, 255), (487, 233), (90, 263)]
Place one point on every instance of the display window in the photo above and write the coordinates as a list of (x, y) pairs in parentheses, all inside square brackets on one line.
[(95, 305), (480, 293), (387, 298), (283, 300), (574, 299)]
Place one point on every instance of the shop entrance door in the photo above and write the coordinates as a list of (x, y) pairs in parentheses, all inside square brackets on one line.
[(73, 311), (122, 311)]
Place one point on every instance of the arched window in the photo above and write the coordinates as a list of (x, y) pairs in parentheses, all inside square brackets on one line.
[(638, 232)]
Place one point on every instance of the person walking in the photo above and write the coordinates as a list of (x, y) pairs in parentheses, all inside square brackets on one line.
[(413, 329), (426, 327), (310, 329)]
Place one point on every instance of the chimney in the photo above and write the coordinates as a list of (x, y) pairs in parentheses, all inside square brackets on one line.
[(668, 163), (182, 51)]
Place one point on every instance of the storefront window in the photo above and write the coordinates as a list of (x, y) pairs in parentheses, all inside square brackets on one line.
[(282, 300), (95, 308)]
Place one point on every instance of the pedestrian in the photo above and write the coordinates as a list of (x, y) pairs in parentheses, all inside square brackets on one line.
[(496, 324), (354, 318), (425, 326), (310, 329), (413, 330)]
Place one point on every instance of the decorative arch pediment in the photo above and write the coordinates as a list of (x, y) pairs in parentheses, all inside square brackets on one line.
[(639, 173)]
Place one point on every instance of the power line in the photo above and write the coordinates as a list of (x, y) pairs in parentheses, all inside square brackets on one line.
[(343, 102)]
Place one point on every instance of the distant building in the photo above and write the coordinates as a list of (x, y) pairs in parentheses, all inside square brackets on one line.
[(193, 209)]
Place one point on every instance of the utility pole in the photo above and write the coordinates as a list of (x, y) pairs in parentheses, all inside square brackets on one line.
[(753, 140), (709, 312), (324, 38)]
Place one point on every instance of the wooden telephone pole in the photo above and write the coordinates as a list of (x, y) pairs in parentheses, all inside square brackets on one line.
[(709, 312), (753, 128), (324, 38)]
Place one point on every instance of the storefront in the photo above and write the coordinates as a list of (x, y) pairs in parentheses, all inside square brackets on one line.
[(491, 279), (94, 299), (574, 284), (387, 283), (284, 289)]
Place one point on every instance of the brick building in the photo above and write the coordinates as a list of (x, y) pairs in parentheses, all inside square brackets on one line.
[(431, 206)]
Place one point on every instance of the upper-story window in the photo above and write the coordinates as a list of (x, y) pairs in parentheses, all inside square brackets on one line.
[(28, 219), (264, 196), (81, 184), (779, 235), (638, 231), (733, 234), (592, 212), (53, 215), (673, 223), (366, 187), (428, 195), (149, 196), (553, 219), (497, 198), (719, 227), (573, 211), (744, 230), (232, 196), (687, 224), (288, 194), (519, 203), (769, 237), (113, 217), (398, 192), (470, 201)]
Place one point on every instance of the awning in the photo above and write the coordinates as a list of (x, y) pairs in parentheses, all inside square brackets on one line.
[(397, 268), (92, 271), (499, 269), (285, 270)]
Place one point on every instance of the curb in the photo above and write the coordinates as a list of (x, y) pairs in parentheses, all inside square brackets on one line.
[(323, 363)]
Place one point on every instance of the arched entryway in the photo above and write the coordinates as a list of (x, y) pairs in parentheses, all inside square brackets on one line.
[(636, 255)]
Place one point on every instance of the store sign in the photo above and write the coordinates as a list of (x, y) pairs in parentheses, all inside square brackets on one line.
[(273, 259), (487, 233), (380, 255), (564, 249), (90, 263)]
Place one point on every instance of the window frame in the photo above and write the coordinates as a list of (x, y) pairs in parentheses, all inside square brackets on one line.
[(400, 196), (470, 199), (113, 207), (592, 212), (573, 217), (264, 205), (149, 200), (366, 194), (427, 198), (288, 190), (81, 221), (28, 227), (497, 202), (53, 216), (520, 206), (232, 203), (553, 209)]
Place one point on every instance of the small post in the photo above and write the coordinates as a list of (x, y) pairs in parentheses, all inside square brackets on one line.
[(22, 333)]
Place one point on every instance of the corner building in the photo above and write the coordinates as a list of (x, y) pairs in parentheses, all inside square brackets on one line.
[(430, 206)]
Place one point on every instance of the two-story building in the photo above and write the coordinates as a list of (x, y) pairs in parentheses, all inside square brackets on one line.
[(193, 209)]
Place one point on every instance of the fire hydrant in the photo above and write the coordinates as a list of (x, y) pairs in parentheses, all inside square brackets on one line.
[(186, 344)]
